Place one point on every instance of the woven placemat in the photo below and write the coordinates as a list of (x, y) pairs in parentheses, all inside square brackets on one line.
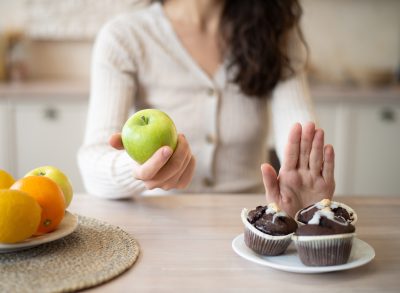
[(95, 253)]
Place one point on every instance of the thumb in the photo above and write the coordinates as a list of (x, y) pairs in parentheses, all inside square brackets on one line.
[(153, 165), (270, 179), (116, 141)]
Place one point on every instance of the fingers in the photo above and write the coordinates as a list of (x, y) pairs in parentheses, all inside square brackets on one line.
[(316, 155), (152, 166), (270, 179), (292, 149), (175, 178), (329, 165), (175, 172), (305, 149), (115, 141), (187, 175), (180, 180), (170, 179), (307, 137), (178, 161)]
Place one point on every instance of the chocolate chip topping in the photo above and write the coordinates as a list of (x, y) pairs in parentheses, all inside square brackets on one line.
[(307, 214), (343, 213), (255, 214), (274, 224)]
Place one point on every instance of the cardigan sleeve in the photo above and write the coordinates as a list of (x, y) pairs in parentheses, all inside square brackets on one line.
[(291, 101), (107, 172)]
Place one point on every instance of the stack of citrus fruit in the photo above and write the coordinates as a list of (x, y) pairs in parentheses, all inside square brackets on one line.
[(34, 204)]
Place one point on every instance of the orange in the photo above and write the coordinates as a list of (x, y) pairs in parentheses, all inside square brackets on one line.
[(49, 196), (19, 216), (6, 179)]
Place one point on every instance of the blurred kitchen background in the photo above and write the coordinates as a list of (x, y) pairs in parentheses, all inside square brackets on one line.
[(45, 53)]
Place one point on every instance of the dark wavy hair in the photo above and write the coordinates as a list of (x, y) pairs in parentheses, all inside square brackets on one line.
[(256, 34)]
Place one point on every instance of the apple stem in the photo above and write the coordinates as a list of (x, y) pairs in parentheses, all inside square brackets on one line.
[(145, 120)]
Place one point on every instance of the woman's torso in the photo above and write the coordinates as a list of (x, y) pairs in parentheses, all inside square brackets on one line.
[(226, 130)]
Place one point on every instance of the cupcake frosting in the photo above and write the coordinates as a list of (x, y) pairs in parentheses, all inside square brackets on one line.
[(271, 220), (325, 221), (325, 212), (308, 213)]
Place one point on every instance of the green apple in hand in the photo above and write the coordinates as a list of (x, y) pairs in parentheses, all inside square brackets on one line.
[(146, 131), (58, 177)]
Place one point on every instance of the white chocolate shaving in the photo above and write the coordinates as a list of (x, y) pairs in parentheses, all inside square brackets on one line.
[(272, 208), (318, 214), (325, 208), (279, 214), (323, 203), (275, 210), (328, 214), (334, 206)]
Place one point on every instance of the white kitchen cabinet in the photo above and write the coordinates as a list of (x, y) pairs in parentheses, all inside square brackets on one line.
[(366, 136), (49, 133), (374, 163), (42, 123)]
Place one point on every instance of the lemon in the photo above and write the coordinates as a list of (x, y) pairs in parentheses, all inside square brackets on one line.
[(19, 216), (6, 180)]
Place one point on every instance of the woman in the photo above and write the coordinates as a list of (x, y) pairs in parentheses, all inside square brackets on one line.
[(213, 66)]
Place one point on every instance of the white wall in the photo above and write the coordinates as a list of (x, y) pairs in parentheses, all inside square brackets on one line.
[(11, 13), (347, 38), (352, 37)]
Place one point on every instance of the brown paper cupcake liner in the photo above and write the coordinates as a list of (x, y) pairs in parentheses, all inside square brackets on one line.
[(261, 243), (326, 250)]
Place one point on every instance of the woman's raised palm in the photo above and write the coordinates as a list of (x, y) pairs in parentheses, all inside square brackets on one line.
[(307, 172)]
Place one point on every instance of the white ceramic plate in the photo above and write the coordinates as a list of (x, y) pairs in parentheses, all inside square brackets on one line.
[(361, 253), (66, 227)]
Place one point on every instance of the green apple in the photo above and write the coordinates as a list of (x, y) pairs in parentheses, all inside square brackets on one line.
[(58, 177), (146, 131)]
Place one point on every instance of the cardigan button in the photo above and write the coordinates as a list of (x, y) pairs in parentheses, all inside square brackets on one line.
[(211, 92), (211, 139), (208, 182)]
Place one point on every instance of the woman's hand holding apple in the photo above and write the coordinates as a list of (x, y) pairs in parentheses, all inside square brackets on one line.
[(166, 169)]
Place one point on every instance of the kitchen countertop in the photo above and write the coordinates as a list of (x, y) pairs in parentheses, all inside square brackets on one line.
[(80, 89), (185, 243), (341, 93), (40, 88)]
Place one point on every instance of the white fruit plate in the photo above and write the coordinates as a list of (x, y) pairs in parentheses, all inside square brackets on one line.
[(66, 227), (361, 254)]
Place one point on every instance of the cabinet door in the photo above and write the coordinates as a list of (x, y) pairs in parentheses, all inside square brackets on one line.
[(375, 145), (50, 134)]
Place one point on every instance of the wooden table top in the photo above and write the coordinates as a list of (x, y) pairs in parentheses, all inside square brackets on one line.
[(186, 240)]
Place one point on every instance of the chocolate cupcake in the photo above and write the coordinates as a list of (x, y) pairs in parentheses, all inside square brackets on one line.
[(268, 230), (339, 209), (325, 239)]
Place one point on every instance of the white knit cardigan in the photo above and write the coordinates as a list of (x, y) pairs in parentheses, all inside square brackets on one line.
[(139, 62)]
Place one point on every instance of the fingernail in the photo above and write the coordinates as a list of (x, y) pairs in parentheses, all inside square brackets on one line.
[(167, 152)]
